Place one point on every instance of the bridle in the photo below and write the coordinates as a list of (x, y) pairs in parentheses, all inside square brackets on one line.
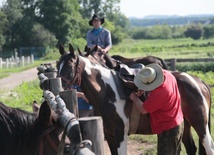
[(77, 77), (46, 136)]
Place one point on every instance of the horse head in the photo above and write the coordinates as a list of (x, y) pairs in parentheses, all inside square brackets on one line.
[(30, 133), (67, 67)]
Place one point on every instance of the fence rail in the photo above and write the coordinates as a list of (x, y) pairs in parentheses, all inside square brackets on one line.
[(172, 62)]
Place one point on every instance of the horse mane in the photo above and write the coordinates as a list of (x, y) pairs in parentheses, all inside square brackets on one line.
[(21, 129)]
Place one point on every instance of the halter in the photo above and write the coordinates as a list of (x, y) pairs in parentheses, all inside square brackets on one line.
[(77, 76), (46, 135)]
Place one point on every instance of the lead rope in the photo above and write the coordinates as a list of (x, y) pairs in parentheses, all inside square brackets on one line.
[(62, 142)]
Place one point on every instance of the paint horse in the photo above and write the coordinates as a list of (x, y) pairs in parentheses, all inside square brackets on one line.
[(99, 86)]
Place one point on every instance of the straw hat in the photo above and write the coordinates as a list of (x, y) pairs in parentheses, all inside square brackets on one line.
[(96, 17), (149, 78)]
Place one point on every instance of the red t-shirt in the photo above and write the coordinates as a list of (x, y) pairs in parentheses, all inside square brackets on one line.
[(163, 104)]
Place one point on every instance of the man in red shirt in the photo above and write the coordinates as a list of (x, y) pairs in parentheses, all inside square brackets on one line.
[(163, 105)]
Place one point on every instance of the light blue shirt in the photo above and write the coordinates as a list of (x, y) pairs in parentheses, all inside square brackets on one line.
[(102, 39)]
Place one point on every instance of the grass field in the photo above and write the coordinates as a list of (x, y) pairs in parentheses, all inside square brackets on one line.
[(173, 48), (23, 95)]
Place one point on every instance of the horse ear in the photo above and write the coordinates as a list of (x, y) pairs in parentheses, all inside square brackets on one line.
[(80, 52), (86, 48), (61, 49), (35, 106), (45, 114), (71, 49), (96, 48), (88, 52)]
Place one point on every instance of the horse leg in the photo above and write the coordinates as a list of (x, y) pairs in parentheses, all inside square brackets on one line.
[(188, 139), (115, 147), (206, 145)]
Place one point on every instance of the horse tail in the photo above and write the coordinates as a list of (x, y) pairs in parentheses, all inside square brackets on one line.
[(209, 116), (201, 147)]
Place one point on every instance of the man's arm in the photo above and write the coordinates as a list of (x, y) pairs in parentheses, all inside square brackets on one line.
[(108, 42), (88, 39), (138, 103), (106, 49)]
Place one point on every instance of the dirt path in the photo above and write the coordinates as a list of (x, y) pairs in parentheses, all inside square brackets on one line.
[(16, 79)]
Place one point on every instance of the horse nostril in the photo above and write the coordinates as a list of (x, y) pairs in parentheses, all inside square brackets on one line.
[(66, 149)]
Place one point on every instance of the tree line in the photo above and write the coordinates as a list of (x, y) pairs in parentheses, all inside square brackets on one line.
[(195, 31), (46, 23)]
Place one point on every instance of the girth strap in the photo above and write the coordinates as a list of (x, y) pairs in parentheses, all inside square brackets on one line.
[(119, 84)]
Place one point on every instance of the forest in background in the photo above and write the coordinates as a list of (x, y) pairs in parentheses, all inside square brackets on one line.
[(171, 20), (45, 23)]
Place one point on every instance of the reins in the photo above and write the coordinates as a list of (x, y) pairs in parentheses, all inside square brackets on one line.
[(62, 142), (46, 135)]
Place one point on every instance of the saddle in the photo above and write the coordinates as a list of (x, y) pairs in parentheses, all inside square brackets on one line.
[(127, 74)]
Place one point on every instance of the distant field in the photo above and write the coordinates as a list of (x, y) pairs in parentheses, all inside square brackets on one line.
[(173, 48)]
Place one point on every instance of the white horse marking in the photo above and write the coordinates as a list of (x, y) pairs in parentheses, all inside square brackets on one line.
[(60, 67), (107, 77)]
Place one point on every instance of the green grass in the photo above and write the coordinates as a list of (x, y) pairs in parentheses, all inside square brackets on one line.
[(172, 48), (23, 96)]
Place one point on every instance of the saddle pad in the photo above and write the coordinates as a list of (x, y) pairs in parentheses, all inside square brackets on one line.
[(119, 84)]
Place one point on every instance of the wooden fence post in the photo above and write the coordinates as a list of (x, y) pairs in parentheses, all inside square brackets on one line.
[(70, 99), (92, 129), (8, 63), (22, 61), (1, 62), (50, 74), (173, 64), (32, 58), (55, 85)]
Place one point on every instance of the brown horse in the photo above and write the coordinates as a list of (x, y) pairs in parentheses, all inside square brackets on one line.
[(102, 90), (143, 60), (117, 59), (24, 133)]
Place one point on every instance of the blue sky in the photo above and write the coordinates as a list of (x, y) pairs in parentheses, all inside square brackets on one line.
[(142, 8)]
